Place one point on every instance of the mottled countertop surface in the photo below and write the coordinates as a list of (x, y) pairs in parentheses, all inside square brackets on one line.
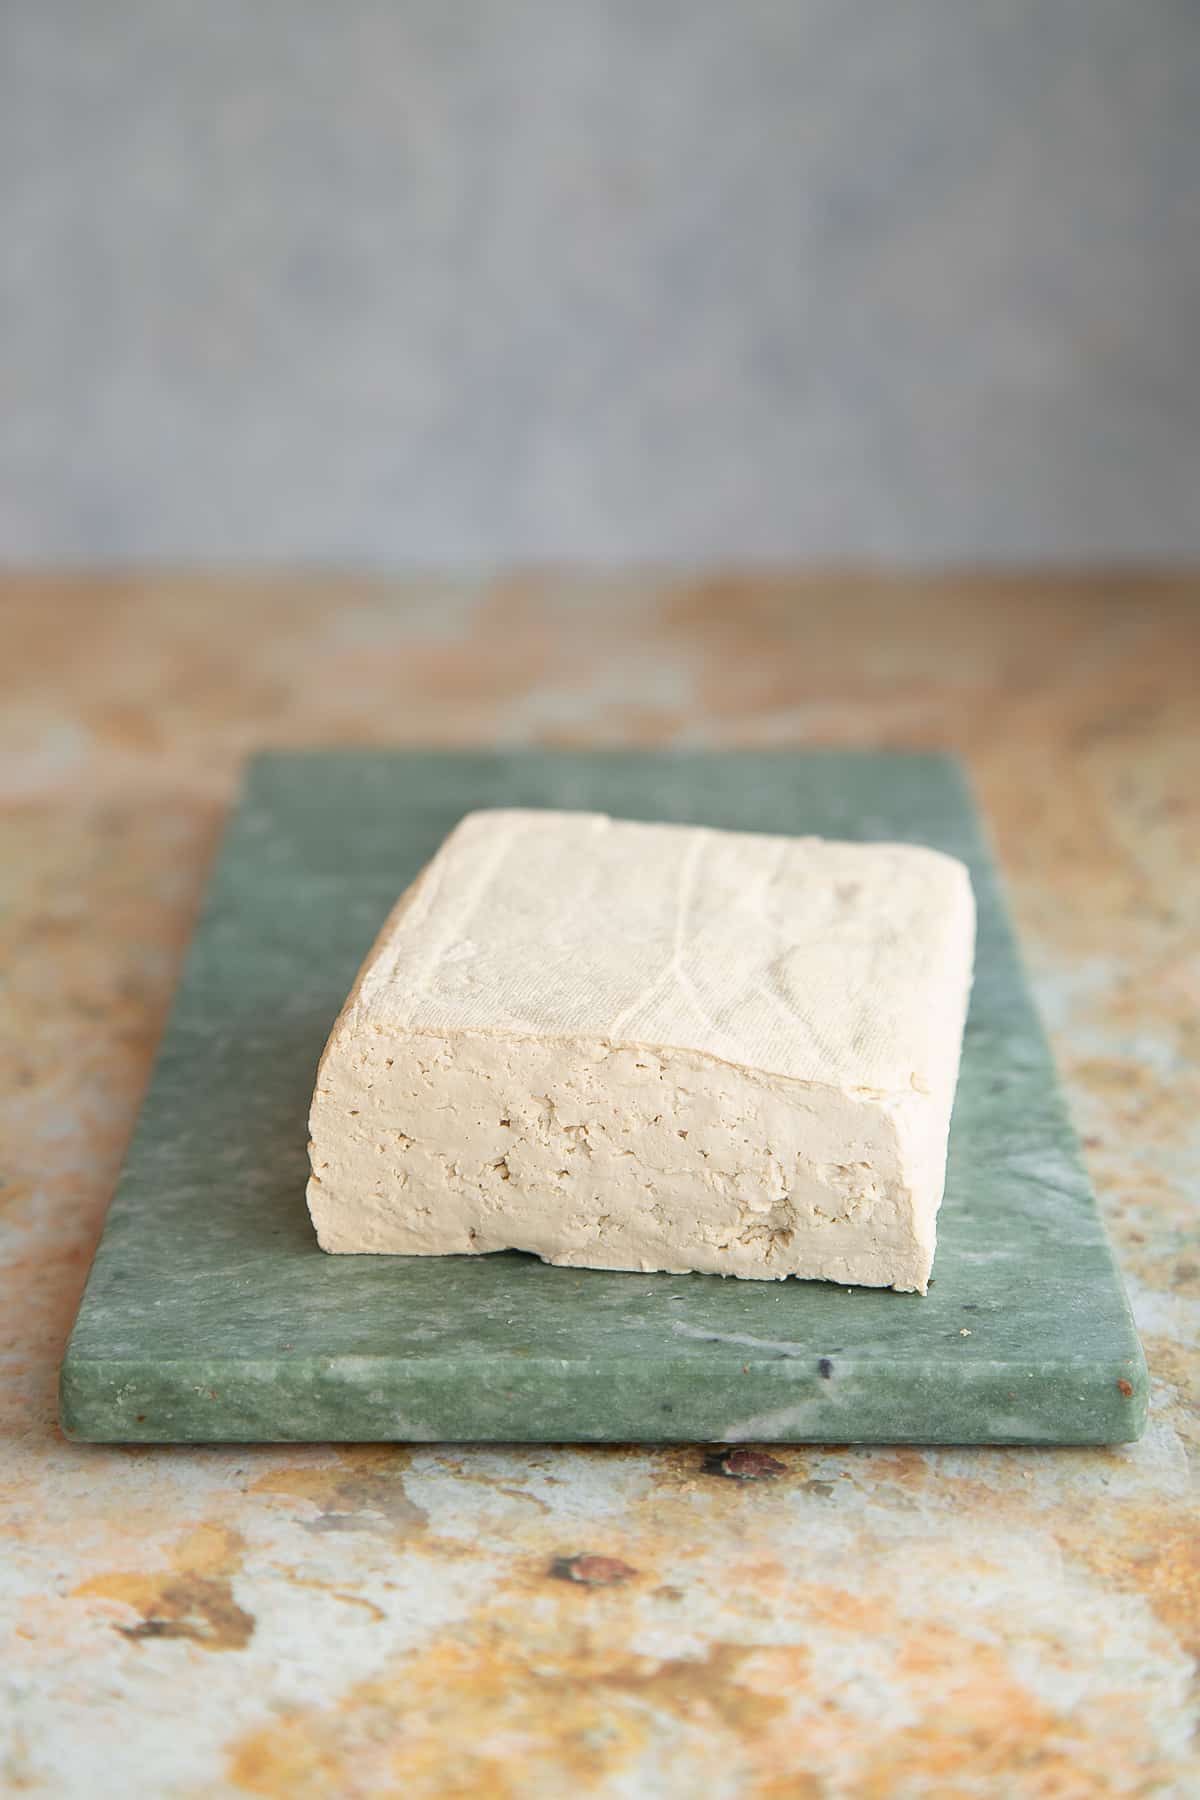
[(375, 1620)]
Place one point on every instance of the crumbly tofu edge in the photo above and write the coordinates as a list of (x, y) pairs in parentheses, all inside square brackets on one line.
[(597, 1155)]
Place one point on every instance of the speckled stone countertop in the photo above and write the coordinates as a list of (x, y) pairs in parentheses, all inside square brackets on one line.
[(615, 1622)]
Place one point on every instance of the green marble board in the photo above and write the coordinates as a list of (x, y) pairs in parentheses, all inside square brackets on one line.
[(211, 1314)]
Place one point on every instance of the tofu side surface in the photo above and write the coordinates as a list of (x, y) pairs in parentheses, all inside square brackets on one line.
[(652, 1047)]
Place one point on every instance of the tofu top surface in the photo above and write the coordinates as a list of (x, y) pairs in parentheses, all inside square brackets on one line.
[(842, 964)]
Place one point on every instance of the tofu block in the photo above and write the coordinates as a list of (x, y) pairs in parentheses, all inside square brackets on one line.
[(628, 1046)]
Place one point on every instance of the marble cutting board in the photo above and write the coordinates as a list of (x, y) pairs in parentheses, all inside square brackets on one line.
[(211, 1314)]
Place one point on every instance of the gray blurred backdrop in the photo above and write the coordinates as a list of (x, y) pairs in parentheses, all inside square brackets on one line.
[(451, 280)]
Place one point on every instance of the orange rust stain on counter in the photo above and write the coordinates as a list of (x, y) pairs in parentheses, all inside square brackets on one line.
[(192, 1599), (979, 1731), (473, 1718), (1153, 1552), (363, 1490), (514, 1702)]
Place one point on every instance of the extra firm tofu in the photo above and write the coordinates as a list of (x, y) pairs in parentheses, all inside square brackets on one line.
[(626, 1046)]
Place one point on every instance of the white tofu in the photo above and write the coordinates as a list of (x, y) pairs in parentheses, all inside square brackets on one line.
[(626, 1046)]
